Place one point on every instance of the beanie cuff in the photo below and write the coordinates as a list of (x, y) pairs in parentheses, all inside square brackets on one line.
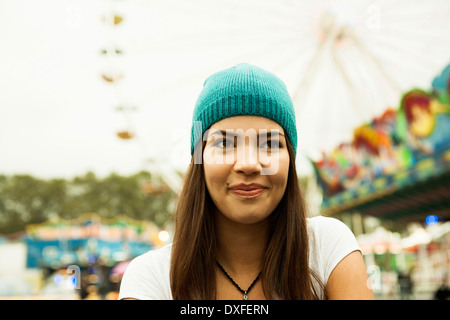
[(239, 105)]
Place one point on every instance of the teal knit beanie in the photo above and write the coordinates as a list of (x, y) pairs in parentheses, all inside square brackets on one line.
[(243, 90)]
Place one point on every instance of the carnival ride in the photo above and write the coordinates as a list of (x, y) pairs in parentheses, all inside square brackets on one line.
[(398, 165), (344, 62)]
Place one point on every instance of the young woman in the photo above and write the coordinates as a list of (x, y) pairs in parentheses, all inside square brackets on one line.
[(241, 230)]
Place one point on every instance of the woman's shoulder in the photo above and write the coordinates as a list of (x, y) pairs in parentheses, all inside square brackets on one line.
[(321, 224), (326, 231), (154, 257), (330, 241), (147, 276)]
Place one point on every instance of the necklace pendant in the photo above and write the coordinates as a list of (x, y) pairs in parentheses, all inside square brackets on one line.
[(245, 295)]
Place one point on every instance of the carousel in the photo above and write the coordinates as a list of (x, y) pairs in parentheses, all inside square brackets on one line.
[(397, 166)]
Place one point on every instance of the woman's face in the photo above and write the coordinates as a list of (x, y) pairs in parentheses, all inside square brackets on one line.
[(246, 165)]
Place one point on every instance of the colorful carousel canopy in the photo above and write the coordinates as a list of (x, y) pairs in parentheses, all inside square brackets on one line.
[(398, 165)]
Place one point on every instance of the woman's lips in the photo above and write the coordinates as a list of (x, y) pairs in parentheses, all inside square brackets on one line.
[(248, 194)]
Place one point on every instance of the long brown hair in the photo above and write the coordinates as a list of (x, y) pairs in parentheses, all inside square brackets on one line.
[(285, 274)]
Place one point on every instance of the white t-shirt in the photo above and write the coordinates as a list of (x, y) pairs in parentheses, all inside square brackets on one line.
[(147, 276)]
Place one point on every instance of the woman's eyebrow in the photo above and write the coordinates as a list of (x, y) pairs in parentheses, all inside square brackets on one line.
[(231, 133)]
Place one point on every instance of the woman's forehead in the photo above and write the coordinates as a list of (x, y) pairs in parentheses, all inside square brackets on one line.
[(247, 122)]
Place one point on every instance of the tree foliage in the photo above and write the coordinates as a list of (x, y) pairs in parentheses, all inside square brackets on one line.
[(25, 199)]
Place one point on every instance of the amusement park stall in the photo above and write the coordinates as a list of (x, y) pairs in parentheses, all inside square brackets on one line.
[(89, 237), (397, 169), (79, 258)]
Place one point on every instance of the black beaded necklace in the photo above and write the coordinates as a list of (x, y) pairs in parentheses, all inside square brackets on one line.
[(236, 285)]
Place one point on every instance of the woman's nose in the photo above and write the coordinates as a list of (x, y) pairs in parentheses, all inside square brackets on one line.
[(247, 160)]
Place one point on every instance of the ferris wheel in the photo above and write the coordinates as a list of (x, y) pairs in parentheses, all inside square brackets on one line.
[(344, 62)]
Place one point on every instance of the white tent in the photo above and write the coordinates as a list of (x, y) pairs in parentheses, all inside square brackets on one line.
[(344, 62)]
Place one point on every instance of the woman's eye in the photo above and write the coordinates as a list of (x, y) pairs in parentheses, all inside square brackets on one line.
[(270, 144), (223, 143)]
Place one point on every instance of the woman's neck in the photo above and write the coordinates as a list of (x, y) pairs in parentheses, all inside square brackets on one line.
[(240, 247)]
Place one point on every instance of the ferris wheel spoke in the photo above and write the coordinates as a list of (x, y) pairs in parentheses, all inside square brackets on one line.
[(273, 9), (425, 33), (293, 59), (398, 62), (360, 102), (428, 61), (265, 49), (227, 11)]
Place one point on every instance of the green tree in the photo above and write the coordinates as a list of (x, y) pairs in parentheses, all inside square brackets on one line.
[(25, 199)]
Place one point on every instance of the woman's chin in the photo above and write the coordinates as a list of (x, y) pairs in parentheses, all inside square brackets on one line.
[(243, 216)]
